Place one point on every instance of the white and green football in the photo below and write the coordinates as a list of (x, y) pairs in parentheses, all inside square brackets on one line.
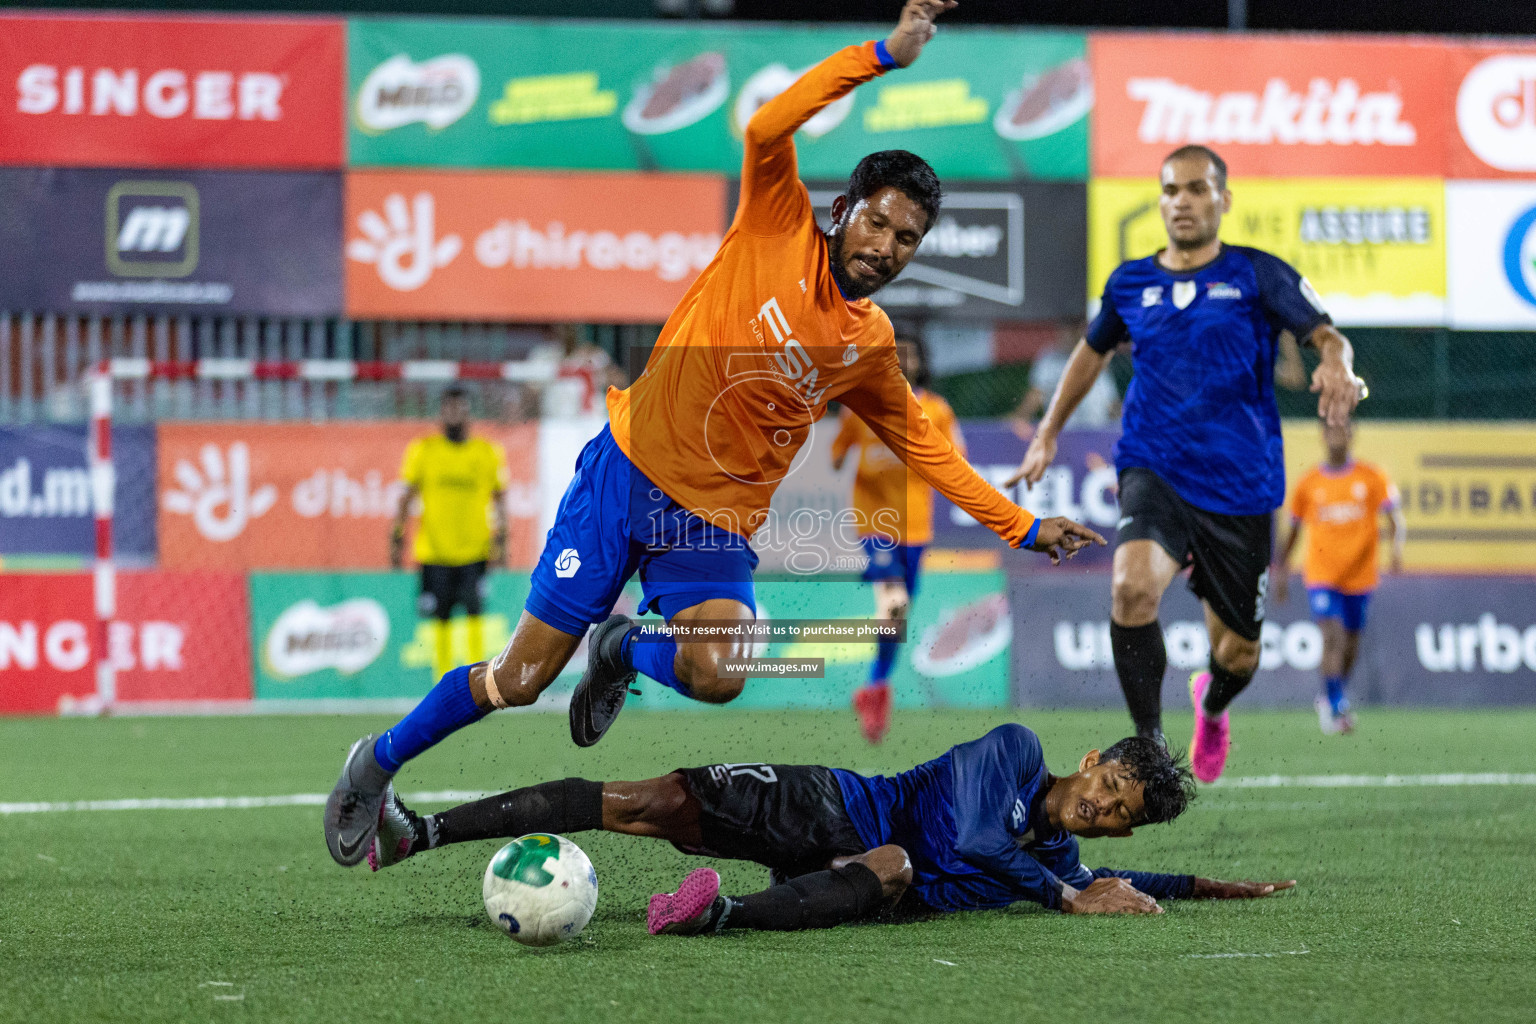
[(540, 889)]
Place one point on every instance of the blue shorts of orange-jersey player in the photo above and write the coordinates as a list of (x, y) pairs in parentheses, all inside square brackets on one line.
[(889, 560), (1349, 609), (614, 522)]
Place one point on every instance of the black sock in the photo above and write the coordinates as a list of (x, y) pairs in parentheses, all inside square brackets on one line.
[(1140, 660), (1224, 686), (821, 899), (562, 807)]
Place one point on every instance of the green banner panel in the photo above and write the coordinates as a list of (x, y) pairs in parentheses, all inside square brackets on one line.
[(980, 104), (356, 635)]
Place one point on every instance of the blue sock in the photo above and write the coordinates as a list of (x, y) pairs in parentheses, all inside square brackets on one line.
[(1336, 698), (655, 658), (448, 708), (885, 660)]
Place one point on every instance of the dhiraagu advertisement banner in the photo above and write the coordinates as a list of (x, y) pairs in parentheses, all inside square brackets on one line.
[(340, 636), (536, 94), (1373, 248)]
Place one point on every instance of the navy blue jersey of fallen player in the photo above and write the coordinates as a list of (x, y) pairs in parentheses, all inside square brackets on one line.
[(973, 823), (1200, 411)]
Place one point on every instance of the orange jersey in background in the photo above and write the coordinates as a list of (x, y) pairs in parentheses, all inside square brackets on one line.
[(1339, 508), (764, 339), (889, 499)]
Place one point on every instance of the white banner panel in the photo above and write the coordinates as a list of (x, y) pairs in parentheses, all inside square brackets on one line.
[(1491, 254)]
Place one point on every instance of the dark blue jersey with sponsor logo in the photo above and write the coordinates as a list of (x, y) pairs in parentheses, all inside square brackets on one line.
[(1200, 411), (973, 823)]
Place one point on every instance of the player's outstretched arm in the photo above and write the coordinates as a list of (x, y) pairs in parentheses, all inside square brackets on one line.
[(1216, 889), (1108, 896), (397, 527), (915, 29), (1083, 368), (1334, 382)]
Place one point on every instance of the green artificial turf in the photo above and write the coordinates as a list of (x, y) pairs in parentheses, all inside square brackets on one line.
[(1415, 903)]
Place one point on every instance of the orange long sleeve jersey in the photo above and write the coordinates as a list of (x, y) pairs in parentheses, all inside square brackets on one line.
[(763, 340), (889, 499)]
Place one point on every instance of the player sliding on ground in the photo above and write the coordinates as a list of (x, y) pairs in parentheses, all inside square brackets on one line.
[(777, 326), (983, 825)]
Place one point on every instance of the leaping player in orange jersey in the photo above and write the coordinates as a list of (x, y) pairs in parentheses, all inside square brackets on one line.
[(1338, 502), (778, 325), (894, 509)]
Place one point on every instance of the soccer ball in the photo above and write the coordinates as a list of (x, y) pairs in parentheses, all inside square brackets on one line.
[(540, 889)]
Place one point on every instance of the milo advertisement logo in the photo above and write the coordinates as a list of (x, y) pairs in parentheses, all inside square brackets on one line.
[(306, 638)]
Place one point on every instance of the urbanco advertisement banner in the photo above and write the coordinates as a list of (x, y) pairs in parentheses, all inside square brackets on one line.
[(177, 636), (45, 492), (104, 91), (1494, 91), (614, 248), (77, 240), (1491, 254), (1373, 248), (1469, 489), (308, 496), (1008, 251), (356, 636), (1280, 106), (979, 105), (1429, 640)]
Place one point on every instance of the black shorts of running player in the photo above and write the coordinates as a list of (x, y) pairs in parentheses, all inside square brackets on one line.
[(445, 586), (1230, 554)]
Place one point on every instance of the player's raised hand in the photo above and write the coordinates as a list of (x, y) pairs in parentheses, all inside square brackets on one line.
[(1060, 536), (1039, 455), (1216, 889), (915, 28), (1110, 896)]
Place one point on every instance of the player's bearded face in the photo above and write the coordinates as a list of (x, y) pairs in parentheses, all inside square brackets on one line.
[(1191, 202), (873, 240)]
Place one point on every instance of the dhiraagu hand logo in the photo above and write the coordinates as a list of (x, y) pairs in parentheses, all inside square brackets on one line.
[(1520, 256)]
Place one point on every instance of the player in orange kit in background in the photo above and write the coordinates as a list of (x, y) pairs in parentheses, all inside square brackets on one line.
[(894, 511), (1338, 502)]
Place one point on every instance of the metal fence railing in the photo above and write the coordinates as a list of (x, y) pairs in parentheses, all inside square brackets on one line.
[(44, 358)]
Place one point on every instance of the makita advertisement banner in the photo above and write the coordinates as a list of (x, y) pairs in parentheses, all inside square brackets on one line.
[(45, 492), (1434, 640), (1012, 251), (1273, 106), (199, 242), (176, 637), (85, 90)]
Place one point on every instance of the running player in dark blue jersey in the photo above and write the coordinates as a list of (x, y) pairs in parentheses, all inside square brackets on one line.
[(1200, 460), (982, 826)]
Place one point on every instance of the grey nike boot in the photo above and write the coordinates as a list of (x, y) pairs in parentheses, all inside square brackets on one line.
[(599, 697), (352, 810)]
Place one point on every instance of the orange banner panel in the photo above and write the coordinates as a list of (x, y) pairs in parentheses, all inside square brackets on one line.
[(620, 248), (307, 496), (1492, 89), (1272, 106)]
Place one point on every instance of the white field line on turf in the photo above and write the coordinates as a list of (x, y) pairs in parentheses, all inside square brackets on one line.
[(234, 803), (1244, 956)]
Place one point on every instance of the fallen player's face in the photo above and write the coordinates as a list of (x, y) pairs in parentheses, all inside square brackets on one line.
[(1191, 203), (874, 240), (1101, 800)]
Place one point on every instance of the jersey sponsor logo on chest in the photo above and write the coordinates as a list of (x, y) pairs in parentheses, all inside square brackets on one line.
[(791, 357), (1184, 292)]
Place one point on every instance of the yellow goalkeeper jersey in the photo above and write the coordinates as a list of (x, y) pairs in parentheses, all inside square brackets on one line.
[(457, 481)]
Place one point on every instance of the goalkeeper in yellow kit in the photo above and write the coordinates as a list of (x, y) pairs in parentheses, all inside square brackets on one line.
[(463, 529)]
